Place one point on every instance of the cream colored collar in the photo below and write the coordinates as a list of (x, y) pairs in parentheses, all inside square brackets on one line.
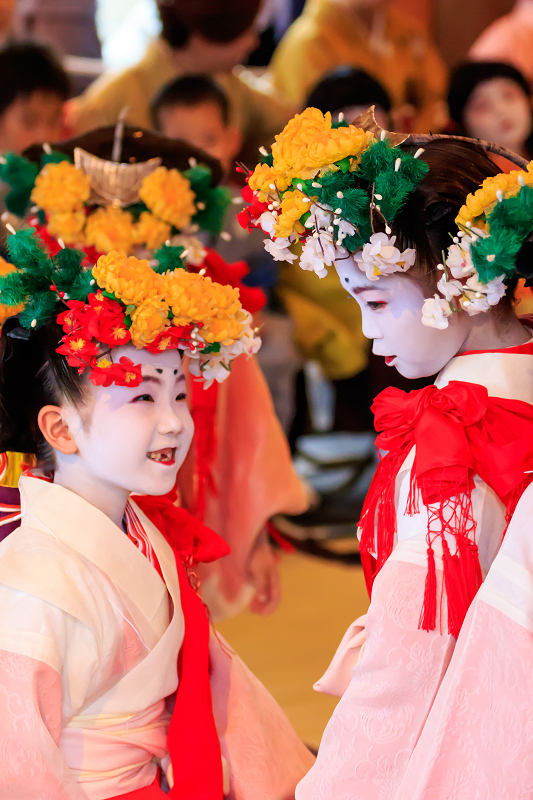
[(70, 519), (505, 374)]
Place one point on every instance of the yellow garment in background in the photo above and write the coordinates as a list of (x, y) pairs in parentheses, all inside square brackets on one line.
[(327, 320), (12, 465), (325, 36), (253, 111)]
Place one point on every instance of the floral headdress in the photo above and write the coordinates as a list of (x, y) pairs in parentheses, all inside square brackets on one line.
[(493, 225), (156, 305), (101, 204), (335, 189)]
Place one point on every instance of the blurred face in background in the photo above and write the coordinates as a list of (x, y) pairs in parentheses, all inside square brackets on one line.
[(204, 55), (499, 111), (203, 126), (31, 119)]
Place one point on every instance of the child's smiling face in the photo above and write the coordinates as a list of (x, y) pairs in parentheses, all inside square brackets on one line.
[(134, 439)]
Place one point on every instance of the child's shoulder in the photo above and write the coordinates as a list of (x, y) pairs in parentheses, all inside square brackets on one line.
[(40, 565)]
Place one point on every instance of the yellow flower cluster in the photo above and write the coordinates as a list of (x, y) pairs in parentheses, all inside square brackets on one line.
[(7, 311), (190, 297), (293, 206), (169, 196), (130, 279), (195, 298), (151, 232), (110, 228), (148, 320), (68, 226), (61, 191), (61, 188), (307, 144), (480, 203)]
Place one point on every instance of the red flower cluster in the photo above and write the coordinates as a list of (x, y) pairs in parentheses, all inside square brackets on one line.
[(86, 326), (122, 373), (100, 318), (170, 339), (253, 210)]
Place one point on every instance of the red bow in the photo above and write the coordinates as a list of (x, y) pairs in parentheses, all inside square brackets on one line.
[(192, 740), (458, 431)]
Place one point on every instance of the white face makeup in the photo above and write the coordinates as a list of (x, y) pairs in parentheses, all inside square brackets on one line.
[(391, 309), (499, 111), (133, 439)]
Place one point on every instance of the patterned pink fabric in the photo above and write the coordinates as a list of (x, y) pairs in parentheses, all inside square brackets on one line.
[(478, 741), (368, 741), (31, 765), (265, 758)]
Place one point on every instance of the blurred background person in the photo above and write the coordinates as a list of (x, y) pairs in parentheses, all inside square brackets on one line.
[(350, 91), (509, 39), (33, 90), (204, 36), (491, 100), (68, 26), (196, 109), (371, 35)]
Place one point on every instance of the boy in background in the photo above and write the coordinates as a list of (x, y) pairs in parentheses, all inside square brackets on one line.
[(196, 109), (33, 90)]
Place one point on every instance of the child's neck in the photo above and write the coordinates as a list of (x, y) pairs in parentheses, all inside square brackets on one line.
[(492, 332), (109, 499)]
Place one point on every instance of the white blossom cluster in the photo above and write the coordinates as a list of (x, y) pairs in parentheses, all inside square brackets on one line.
[(460, 287), (216, 366)]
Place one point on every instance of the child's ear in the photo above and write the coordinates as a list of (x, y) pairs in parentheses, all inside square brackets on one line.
[(56, 431)]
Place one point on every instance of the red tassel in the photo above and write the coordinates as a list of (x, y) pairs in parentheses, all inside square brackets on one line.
[(412, 506), (428, 616), (378, 518)]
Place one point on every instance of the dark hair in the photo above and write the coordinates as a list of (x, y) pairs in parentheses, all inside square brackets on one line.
[(466, 76), (220, 21), (26, 68), (427, 220), (32, 375), (347, 86), (190, 91)]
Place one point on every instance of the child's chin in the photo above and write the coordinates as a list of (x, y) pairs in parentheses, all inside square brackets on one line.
[(159, 486)]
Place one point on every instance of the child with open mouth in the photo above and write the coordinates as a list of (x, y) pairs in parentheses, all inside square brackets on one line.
[(112, 683)]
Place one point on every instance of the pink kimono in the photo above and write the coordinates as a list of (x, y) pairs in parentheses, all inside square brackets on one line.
[(424, 716), (90, 634)]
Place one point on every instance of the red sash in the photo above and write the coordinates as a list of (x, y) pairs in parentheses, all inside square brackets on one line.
[(459, 431), (193, 743)]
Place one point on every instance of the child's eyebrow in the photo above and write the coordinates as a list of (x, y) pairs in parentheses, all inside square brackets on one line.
[(365, 288), (155, 379)]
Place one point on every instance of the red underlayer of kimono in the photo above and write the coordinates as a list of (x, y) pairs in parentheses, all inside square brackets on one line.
[(436, 705), (194, 749)]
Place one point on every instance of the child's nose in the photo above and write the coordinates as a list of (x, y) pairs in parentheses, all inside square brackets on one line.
[(370, 328), (170, 423)]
